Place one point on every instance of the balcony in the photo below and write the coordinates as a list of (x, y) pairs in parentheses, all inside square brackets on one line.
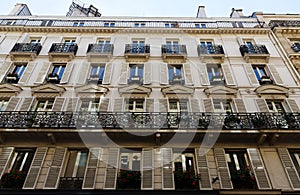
[(255, 53), (25, 51), (174, 53), (135, 80), (265, 80), (211, 54), (53, 78), (99, 52), (135, 52), (63, 51), (71, 183), (94, 79), (177, 80), (12, 78)]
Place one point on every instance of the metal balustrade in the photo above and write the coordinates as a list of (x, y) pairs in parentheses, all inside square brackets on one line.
[(100, 48), (212, 49), (64, 48), (137, 49), (27, 47), (254, 49)]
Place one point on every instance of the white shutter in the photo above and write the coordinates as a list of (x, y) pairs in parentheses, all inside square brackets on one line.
[(188, 74), (124, 73), (223, 171), (163, 105), (289, 167), (164, 75), (27, 73), (240, 41), (250, 73), (228, 74), (43, 72), (167, 177), (202, 71), (147, 73), (12, 104), (83, 73), (5, 156), (292, 105), (107, 74), (203, 170), (2, 38), (4, 69), (35, 168), (148, 169), (262, 105), (194, 105), (112, 168), (54, 171), (91, 168), (149, 105), (72, 104), (24, 38), (103, 105), (240, 106), (208, 105), (58, 104), (67, 73), (275, 75), (26, 104), (43, 39), (258, 168), (118, 105)]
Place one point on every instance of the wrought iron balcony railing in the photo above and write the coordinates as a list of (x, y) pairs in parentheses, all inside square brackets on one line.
[(64, 48), (254, 49), (101, 48), (284, 23), (70, 183), (137, 49), (213, 49), (27, 48), (173, 50), (110, 120)]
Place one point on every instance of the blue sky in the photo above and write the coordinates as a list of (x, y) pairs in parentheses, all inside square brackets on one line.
[(214, 8)]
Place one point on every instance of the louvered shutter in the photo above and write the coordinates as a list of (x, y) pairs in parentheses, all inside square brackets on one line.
[(107, 74), (54, 171), (58, 104), (262, 105), (188, 74), (292, 105), (167, 177), (118, 105), (149, 105), (164, 75), (240, 106), (203, 74), (91, 169), (112, 168), (2, 38), (4, 69), (67, 73), (72, 104), (103, 105), (83, 73), (208, 105), (258, 168), (228, 74), (275, 75), (223, 171), (289, 167), (35, 168), (250, 73), (26, 104), (240, 41), (24, 38), (43, 39), (26, 75), (12, 104), (203, 170), (5, 156), (195, 105), (147, 73), (148, 169), (43, 72), (124, 73), (163, 105)]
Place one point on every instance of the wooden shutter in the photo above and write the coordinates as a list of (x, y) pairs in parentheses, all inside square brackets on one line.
[(72, 104), (124, 73), (240, 106), (91, 168), (262, 105), (163, 105), (67, 73), (164, 75), (24, 38), (103, 105), (26, 104), (83, 73), (250, 73), (118, 105), (54, 170), (187, 74), (5, 156), (289, 167), (208, 105), (112, 168), (258, 168), (4, 69), (43, 72), (228, 74), (222, 168), (12, 104), (35, 168), (292, 105), (149, 105), (275, 75), (26, 75), (194, 105), (147, 73), (58, 104), (167, 177), (203, 170), (148, 169), (203, 74), (107, 74)]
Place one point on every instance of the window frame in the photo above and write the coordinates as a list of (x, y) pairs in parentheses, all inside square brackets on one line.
[(75, 164)]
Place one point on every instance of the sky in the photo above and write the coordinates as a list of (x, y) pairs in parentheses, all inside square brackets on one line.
[(163, 8)]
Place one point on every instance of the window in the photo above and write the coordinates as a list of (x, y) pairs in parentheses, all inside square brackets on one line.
[(138, 46), (175, 74), (76, 163), (78, 24), (107, 24), (103, 45), (97, 73), (207, 46), (136, 73), (261, 74), (35, 40), (295, 155), (16, 74), (203, 25), (222, 106), (275, 106), (197, 25), (130, 160), (296, 46), (172, 46), (90, 105), (178, 106), (171, 25), (43, 105), (215, 74), (57, 73), (3, 104), (250, 45), (21, 160), (139, 25), (135, 105)]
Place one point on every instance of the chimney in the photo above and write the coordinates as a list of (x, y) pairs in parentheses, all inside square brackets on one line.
[(236, 13), (20, 9), (201, 12)]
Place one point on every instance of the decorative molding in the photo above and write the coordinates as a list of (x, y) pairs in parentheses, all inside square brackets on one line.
[(47, 90), (9, 90), (221, 91), (272, 91), (177, 91), (135, 91), (91, 91)]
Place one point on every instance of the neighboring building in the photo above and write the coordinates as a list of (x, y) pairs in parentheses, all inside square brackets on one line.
[(91, 103)]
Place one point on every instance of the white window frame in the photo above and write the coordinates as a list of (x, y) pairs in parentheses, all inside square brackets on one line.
[(134, 103), (177, 104), (222, 104), (130, 158), (273, 104), (76, 164), (3, 104), (93, 105), (46, 104)]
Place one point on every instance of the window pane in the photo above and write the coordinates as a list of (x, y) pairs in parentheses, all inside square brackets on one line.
[(102, 68), (82, 164)]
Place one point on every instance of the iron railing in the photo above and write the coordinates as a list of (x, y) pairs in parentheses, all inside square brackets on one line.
[(70, 183), (212, 49), (100, 48), (27, 47), (155, 120), (284, 23), (173, 49), (64, 48), (137, 49), (253, 49)]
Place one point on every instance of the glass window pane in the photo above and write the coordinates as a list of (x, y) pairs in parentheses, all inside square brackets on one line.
[(102, 69)]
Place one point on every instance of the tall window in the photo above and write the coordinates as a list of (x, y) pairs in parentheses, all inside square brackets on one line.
[(262, 74), (104, 45), (136, 73), (97, 73), (295, 155), (215, 74), (138, 46), (175, 74), (207, 46), (76, 163), (172, 46), (90, 105), (16, 74), (222, 106), (3, 104), (178, 106), (130, 160), (135, 105), (21, 160), (44, 105), (56, 73), (275, 106)]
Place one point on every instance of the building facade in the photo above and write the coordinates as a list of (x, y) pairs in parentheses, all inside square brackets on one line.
[(96, 104)]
